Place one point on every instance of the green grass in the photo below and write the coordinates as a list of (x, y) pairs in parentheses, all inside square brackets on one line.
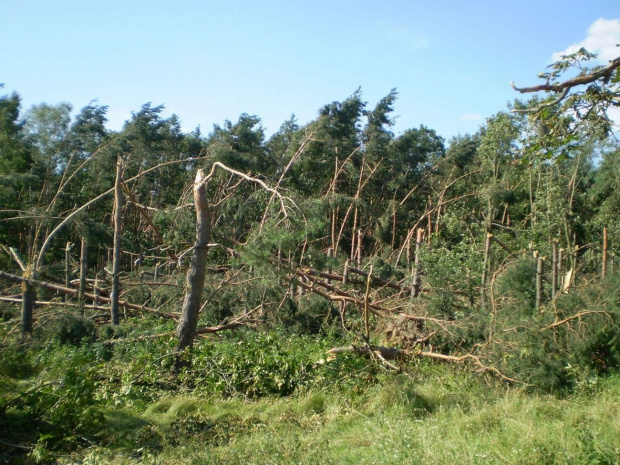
[(448, 417), (83, 404)]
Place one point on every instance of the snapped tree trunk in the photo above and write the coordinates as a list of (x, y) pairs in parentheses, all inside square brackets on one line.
[(485, 269), (186, 329), (83, 253), (29, 297), (68, 248), (417, 281), (116, 255), (539, 279)]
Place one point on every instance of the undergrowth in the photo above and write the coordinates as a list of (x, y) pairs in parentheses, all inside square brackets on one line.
[(76, 393)]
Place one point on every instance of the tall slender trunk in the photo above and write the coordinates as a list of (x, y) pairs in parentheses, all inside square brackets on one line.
[(188, 322), (605, 248), (554, 269), (116, 254), (539, 280), (83, 253), (68, 267), (415, 288), (485, 269), (29, 297)]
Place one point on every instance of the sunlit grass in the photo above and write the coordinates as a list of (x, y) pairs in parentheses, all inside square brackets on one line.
[(445, 418)]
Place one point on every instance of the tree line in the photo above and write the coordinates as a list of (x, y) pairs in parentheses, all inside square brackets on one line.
[(478, 248)]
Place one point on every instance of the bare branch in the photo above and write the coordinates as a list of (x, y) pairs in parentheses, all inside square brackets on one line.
[(261, 183), (577, 315), (561, 97), (52, 234), (476, 360), (603, 73)]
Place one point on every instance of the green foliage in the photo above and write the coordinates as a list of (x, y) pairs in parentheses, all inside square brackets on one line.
[(256, 365), (70, 329), (60, 409), (519, 282), (529, 180)]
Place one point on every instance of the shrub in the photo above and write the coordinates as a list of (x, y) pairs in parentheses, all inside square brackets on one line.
[(70, 329)]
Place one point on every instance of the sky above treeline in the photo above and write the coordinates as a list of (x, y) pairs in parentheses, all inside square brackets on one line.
[(208, 61)]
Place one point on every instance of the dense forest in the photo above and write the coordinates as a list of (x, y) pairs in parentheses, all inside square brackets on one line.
[(147, 268)]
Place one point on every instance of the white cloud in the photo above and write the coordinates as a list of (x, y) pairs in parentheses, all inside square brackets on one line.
[(471, 117), (602, 37)]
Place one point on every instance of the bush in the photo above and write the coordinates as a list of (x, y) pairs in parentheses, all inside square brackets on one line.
[(519, 281), (58, 408), (70, 329)]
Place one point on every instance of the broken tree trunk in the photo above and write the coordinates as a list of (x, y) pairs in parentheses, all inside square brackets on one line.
[(68, 248), (539, 280), (415, 288), (29, 298), (83, 253), (485, 269), (116, 256), (186, 329)]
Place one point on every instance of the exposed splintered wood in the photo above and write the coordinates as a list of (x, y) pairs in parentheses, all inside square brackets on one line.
[(116, 255), (468, 357), (28, 291), (577, 316), (50, 303), (388, 353), (18, 259), (186, 329)]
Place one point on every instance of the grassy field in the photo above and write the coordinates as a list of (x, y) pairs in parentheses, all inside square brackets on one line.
[(268, 398), (447, 417)]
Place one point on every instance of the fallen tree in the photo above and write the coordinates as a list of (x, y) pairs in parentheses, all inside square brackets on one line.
[(93, 297)]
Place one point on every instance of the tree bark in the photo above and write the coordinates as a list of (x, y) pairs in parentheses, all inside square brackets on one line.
[(116, 255), (554, 270), (186, 329), (417, 281), (539, 280), (485, 269), (28, 301), (68, 248), (83, 253), (605, 248)]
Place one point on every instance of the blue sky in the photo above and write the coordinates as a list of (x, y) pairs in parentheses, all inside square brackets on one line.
[(208, 61)]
